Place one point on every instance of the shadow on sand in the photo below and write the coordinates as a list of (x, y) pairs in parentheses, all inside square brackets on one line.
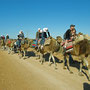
[(30, 54), (86, 86), (46, 56)]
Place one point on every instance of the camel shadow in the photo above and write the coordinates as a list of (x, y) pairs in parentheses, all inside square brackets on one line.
[(76, 65), (30, 54), (86, 86), (46, 56)]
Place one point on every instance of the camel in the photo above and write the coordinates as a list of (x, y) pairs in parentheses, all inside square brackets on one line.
[(24, 47), (81, 51), (54, 46), (2, 44), (10, 45)]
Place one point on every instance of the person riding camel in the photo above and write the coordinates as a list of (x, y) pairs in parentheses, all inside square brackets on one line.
[(21, 35), (7, 37), (46, 33), (45, 36), (3, 37), (38, 35), (20, 38), (68, 35), (73, 34)]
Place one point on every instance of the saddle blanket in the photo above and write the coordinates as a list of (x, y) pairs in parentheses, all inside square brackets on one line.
[(69, 46), (9, 42)]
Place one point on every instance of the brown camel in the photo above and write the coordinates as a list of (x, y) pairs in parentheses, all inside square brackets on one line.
[(81, 50), (10, 45), (54, 46), (25, 44)]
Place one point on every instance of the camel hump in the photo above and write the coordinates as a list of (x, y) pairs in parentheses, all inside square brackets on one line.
[(87, 37), (79, 38)]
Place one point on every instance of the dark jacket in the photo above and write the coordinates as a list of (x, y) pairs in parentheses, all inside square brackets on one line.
[(21, 35), (67, 35), (45, 34), (38, 35), (7, 37)]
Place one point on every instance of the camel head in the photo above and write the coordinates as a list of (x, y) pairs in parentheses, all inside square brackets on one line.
[(79, 37), (59, 39)]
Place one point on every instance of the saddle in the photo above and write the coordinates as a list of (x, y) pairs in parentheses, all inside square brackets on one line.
[(34, 44), (9, 42), (69, 46)]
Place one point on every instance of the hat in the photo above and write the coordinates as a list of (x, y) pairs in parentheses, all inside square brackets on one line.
[(39, 29), (20, 32), (45, 29), (72, 25)]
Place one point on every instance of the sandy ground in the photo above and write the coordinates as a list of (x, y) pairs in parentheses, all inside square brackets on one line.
[(29, 74)]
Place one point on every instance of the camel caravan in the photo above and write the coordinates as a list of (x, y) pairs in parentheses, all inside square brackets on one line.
[(72, 45)]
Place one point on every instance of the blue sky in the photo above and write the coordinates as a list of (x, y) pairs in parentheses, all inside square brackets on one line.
[(57, 15)]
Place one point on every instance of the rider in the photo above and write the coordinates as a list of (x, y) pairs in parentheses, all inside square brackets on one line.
[(38, 35), (73, 34), (3, 37), (7, 37), (68, 34), (20, 37), (45, 35)]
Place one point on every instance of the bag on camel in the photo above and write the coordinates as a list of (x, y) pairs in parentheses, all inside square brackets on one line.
[(69, 46)]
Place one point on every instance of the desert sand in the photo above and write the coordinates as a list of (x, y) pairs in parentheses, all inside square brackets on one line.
[(29, 74)]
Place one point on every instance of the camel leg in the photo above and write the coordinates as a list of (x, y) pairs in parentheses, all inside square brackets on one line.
[(88, 66), (8, 50), (50, 59), (80, 71), (68, 65), (42, 59), (3, 47), (24, 54), (37, 56), (20, 54), (54, 60), (12, 51), (89, 71), (64, 62)]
